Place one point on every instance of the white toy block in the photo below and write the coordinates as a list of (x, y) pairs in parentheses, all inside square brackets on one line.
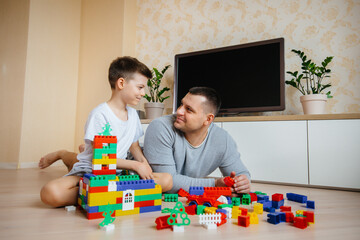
[(80, 186), (228, 212), (112, 166), (210, 226), (96, 166), (112, 186), (223, 199), (70, 208), (107, 228), (178, 228)]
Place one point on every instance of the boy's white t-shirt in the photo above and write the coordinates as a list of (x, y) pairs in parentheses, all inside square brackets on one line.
[(127, 132)]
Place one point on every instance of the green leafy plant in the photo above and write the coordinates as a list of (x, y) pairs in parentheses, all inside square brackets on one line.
[(154, 86), (312, 74)]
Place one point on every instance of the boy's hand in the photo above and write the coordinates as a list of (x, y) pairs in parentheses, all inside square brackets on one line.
[(144, 170)]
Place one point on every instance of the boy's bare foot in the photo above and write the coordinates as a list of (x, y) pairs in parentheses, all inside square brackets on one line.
[(50, 158)]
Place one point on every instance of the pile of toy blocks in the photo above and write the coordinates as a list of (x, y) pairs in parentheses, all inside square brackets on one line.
[(124, 195)]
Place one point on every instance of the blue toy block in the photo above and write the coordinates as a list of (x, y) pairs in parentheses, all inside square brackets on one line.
[(229, 199), (269, 209), (273, 218), (296, 197), (196, 190), (150, 209), (221, 211), (282, 216), (310, 204), (278, 204), (262, 197), (267, 204), (93, 209), (135, 185)]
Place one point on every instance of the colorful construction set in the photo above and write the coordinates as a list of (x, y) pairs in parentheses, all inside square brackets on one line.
[(122, 195)]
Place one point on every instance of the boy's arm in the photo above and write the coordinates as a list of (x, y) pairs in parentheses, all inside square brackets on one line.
[(141, 166)]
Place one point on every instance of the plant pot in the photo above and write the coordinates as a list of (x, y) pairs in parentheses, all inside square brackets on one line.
[(153, 109), (313, 103)]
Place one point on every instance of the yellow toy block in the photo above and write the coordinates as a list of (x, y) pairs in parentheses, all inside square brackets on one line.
[(300, 212), (258, 208), (104, 161), (254, 219), (157, 202), (83, 192), (128, 212), (235, 212), (155, 190), (103, 198), (210, 210)]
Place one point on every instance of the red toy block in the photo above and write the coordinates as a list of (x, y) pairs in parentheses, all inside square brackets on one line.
[(104, 172), (310, 217), (98, 189), (277, 197), (144, 203), (161, 222), (118, 200), (229, 181), (217, 191), (191, 210), (112, 156), (97, 215), (244, 211), (223, 219), (289, 216), (300, 222), (183, 193), (253, 197), (105, 139), (285, 208), (244, 221)]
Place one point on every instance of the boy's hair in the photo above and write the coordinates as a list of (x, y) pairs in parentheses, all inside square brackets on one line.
[(212, 97), (126, 67)]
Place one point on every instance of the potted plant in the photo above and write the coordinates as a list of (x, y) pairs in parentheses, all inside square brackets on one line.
[(313, 101), (155, 106)]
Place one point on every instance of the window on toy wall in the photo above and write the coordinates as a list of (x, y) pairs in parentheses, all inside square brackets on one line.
[(128, 200)]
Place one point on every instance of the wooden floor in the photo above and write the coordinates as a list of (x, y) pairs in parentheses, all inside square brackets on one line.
[(23, 216)]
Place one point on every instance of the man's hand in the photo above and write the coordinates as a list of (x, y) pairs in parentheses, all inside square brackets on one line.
[(242, 183), (144, 170)]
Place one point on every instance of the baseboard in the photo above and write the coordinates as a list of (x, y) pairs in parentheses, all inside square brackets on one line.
[(5, 165)]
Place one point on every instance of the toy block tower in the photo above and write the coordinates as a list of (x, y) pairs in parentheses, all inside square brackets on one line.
[(103, 190)]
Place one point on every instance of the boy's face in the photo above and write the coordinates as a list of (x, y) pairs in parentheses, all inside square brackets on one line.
[(190, 114), (134, 89)]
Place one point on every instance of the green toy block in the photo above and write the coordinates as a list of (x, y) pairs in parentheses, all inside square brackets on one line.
[(170, 197), (200, 209), (98, 153), (148, 197), (225, 206), (246, 199), (111, 207), (236, 201), (129, 177), (101, 180), (260, 193)]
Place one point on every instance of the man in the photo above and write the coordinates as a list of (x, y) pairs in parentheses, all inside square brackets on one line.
[(189, 146)]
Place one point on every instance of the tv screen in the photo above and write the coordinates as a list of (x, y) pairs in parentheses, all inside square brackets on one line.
[(249, 77)]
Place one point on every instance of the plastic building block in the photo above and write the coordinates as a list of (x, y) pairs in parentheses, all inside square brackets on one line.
[(278, 204), (170, 197), (243, 211), (183, 193), (108, 228), (236, 201), (161, 222), (229, 181), (244, 221), (310, 204), (191, 210), (296, 197), (223, 200), (200, 209), (253, 197), (277, 197), (246, 199), (285, 208), (270, 209), (178, 228), (196, 190), (210, 210), (254, 219), (289, 216), (300, 222), (310, 217), (211, 220), (178, 211), (217, 191), (282, 216), (258, 208), (70, 208), (273, 218), (129, 177), (149, 209)]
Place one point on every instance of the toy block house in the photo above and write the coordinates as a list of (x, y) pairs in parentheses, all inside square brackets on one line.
[(123, 195)]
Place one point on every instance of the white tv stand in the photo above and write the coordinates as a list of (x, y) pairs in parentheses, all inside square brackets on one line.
[(313, 150)]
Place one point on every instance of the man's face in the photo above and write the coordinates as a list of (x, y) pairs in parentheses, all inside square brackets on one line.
[(190, 114)]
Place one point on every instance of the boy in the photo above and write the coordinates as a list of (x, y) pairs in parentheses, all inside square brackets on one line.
[(128, 78)]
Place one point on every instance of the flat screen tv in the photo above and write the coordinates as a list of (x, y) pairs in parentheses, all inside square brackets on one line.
[(249, 77)]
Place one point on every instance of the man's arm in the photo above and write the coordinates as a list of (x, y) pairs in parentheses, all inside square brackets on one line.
[(158, 150)]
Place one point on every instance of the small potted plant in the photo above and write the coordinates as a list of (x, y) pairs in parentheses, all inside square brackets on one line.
[(155, 106), (313, 101)]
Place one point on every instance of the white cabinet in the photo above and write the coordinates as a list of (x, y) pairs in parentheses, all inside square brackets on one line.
[(273, 151), (334, 153)]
